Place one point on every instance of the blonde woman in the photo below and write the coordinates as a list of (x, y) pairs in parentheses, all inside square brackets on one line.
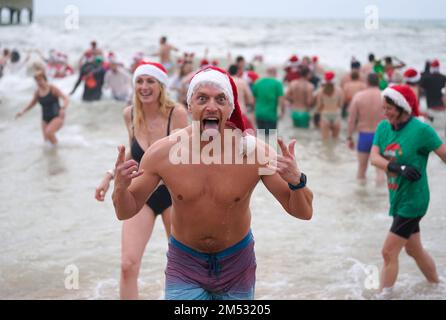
[(53, 114), (153, 116)]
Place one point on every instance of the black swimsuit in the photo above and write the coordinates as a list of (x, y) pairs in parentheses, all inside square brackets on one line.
[(50, 107), (160, 199)]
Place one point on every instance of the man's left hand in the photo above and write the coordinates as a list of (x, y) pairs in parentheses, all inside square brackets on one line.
[(286, 165)]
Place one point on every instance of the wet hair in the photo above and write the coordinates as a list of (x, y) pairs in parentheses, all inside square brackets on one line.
[(373, 79), (392, 103), (250, 67), (355, 64), (40, 74), (304, 71), (388, 60), (15, 56), (328, 88), (271, 71), (163, 39), (239, 59), (371, 57), (233, 69)]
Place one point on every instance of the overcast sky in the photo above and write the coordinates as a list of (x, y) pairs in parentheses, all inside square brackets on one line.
[(393, 9)]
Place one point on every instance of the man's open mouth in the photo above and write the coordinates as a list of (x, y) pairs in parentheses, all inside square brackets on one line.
[(210, 123)]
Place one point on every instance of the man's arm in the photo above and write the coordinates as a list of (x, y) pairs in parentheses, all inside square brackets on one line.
[(297, 203), (441, 152), (352, 117), (249, 98), (78, 82), (133, 187), (309, 95)]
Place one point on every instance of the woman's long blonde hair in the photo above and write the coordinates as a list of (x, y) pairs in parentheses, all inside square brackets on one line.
[(165, 103)]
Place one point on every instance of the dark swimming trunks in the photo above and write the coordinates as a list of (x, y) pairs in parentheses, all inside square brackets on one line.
[(224, 275), (50, 107), (405, 227), (160, 199)]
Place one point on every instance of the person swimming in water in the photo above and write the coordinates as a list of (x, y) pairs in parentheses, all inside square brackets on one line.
[(53, 115)]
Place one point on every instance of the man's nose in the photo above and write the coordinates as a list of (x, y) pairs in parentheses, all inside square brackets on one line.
[(211, 106)]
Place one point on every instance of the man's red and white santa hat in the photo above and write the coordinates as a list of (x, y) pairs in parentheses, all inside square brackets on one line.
[(219, 77), (435, 66), (152, 69), (404, 97), (411, 76), (293, 61)]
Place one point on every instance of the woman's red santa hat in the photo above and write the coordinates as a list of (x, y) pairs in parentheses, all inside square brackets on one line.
[(329, 77), (411, 76), (225, 82), (153, 69), (404, 97)]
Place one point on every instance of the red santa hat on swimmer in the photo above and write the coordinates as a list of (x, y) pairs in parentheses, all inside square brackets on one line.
[(204, 63), (411, 76), (152, 69), (293, 61), (329, 77), (435, 66), (404, 97), (224, 81)]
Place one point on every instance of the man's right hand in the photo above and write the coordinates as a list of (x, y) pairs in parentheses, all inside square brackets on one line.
[(18, 114), (101, 190), (125, 171), (406, 171), (350, 143)]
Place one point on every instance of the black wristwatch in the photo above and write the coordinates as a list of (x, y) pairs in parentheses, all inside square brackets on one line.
[(302, 184)]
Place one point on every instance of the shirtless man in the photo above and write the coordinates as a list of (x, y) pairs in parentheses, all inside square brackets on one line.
[(164, 54), (351, 87), (245, 97), (365, 114), (211, 250), (368, 67), (300, 97), (355, 67)]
